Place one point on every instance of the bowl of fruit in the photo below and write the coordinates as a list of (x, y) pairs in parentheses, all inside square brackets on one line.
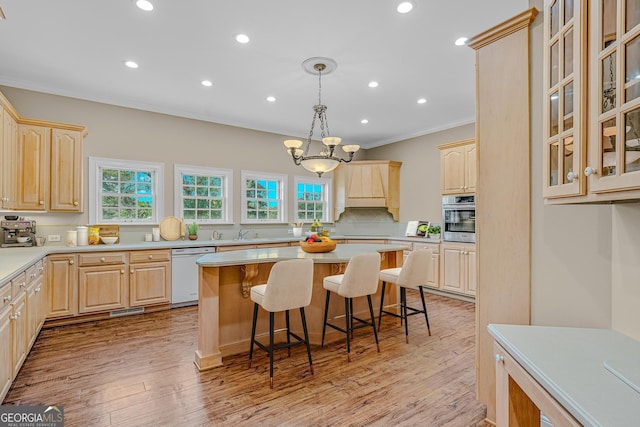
[(317, 244)]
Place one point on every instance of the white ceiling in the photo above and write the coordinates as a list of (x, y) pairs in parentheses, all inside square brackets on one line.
[(77, 48)]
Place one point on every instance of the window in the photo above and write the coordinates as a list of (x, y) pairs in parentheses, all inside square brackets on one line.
[(125, 192), (313, 199), (204, 195), (263, 197)]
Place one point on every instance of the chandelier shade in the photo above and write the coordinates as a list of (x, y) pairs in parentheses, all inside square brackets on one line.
[(325, 160)]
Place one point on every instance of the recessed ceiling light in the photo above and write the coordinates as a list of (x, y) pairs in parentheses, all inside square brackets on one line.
[(242, 38), (144, 5), (271, 98), (373, 84), (405, 7), (131, 64), (207, 83), (364, 121), (422, 101), (461, 41)]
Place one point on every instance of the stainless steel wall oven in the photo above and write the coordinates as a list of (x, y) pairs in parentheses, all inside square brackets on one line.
[(459, 218)]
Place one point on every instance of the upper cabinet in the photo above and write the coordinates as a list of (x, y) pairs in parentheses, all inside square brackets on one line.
[(458, 167), (591, 154), (41, 164), (370, 183)]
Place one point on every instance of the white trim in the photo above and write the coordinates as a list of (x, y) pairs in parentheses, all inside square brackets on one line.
[(327, 190), (95, 188), (227, 190), (282, 187)]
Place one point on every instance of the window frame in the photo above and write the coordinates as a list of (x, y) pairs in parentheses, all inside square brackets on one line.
[(96, 164), (283, 200), (327, 191), (227, 190)]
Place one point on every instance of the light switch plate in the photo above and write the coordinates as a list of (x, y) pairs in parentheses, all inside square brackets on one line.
[(53, 237)]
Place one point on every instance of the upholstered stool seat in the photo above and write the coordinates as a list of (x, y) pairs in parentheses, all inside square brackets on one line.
[(412, 275), (289, 287), (359, 279)]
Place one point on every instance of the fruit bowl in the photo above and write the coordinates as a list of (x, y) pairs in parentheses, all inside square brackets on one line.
[(318, 247)]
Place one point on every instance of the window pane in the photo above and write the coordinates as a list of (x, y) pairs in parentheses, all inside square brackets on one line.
[(567, 159), (632, 141), (609, 82), (553, 64), (633, 14), (568, 10), (608, 141), (609, 13), (568, 107), (555, 18), (632, 69), (553, 114), (202, 180), (553, 164), (568, 53)]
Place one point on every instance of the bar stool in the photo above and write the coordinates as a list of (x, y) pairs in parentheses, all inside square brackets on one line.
[(413, 274), (359, 279), (289, 287)]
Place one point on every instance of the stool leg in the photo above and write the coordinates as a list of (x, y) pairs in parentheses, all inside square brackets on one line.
[(253, 331), (347, 321), (384, 284), (326, 313), (424, 307), (286, 316), (403, 310), (306, 338), (373, 322), (351, 316), (271, 314), (402, 303)]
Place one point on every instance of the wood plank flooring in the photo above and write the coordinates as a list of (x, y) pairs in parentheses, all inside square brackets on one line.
[(139, 371)]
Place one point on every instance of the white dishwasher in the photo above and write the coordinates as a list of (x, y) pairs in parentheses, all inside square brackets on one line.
[(184, 275)]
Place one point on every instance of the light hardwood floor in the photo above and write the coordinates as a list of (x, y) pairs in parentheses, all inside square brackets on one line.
[(139, 371)]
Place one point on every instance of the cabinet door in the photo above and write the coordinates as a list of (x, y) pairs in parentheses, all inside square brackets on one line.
[(470, 168), (365, 185), (31, 167), (149, 283), (61, 280), (31, 311), (102, 288), (66, 171), (452, 171), (614, 132), (41, 295), (471, 273), (8, 179), (6, 352), (433, 280), (452, 268), (19, 331)]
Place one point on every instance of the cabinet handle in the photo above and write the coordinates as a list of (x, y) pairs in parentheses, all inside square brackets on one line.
[(22, 285), (33, 275), (37, 289), (499, 358), (103, 259), (133, 271), (150, 256), (71, 262), (589, 171), (572, 176), (40, 268), (6, 299), (75, 203)]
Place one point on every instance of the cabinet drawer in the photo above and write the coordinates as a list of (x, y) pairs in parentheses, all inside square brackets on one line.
[(18, 284), (5, 296), (102, 258), (31, 274), (435, 247), (149, 256)]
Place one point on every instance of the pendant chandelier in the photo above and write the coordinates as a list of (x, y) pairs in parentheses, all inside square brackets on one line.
[(325, 160)]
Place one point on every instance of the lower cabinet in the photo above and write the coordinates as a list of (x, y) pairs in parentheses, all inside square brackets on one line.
[(433, 281), (458, 267), (149, 278), (6, 347), (19, 338), (102, 288), (61, 283)]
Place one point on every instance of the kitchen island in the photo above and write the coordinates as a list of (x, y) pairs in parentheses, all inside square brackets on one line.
[(225, 309)]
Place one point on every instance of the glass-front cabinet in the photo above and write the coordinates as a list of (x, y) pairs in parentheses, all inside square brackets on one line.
[(614, 128), (564, 105), (591, 153)]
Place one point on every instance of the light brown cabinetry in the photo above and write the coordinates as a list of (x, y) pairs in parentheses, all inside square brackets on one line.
[(150, 278), (368, 184), (62, 278), (19, 337), (102, 282), (458, 167), (6, 350), (31, 155), (8, 138), (66, 171), (36, 302), (433, 281), (458, 266), (592, 57)]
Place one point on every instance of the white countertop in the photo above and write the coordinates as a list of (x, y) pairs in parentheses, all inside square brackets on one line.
[(342, 253), (570, 364)]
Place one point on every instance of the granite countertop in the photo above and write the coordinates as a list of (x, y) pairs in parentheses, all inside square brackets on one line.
[(15, 260), (575, 366), (342, 253)]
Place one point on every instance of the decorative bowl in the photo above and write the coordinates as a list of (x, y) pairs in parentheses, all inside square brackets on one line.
[(318, 247), (108, 240)]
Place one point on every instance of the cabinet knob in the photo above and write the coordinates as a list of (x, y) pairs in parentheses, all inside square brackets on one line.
[(22, 285), (133, 271), (571, 176), (33, 275), (37, 289), (6, 299), (103, 259), (499, 358), (75, 203), (121, 271), (71, 261), (589, 171), (42, 202), (150, 256)]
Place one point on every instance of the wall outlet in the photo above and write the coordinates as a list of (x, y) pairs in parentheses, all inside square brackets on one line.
[(332, 230), (53, 237)]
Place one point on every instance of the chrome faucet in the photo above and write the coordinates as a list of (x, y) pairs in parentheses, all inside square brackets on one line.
[(242, 234)]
